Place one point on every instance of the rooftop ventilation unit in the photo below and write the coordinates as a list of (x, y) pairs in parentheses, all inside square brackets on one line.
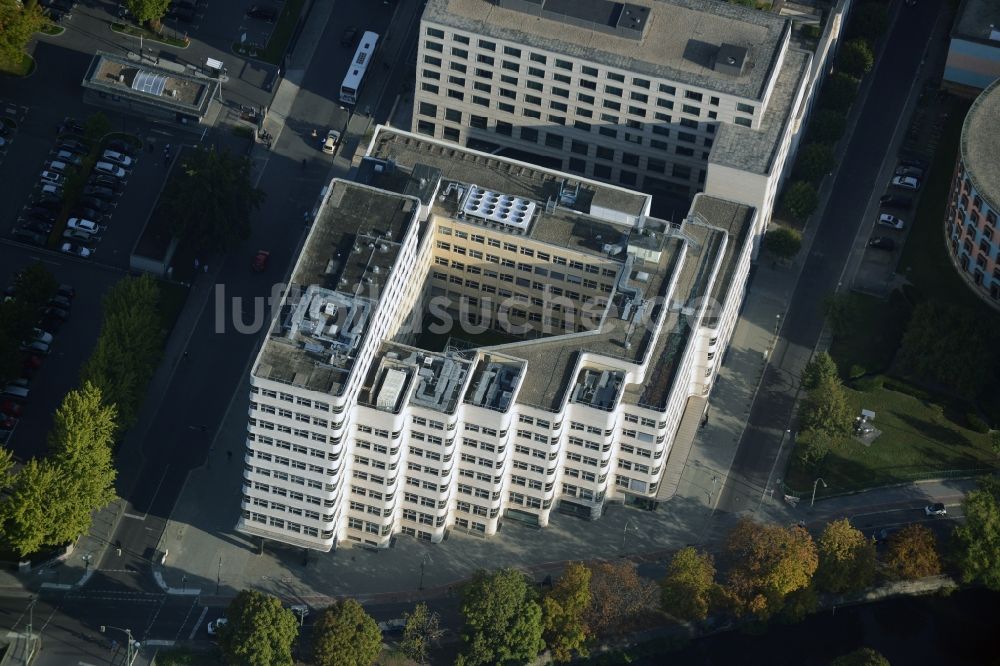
[(730, 59), (504, 209)]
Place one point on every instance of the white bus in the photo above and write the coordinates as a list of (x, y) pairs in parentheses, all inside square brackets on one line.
[(356, 73)]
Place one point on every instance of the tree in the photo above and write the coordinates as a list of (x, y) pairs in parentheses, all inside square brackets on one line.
[(812, 448), (815, 161), (869, 20), (97, 126), (689, 587), (839, 92), (35, 285), (978, 538), (259, 631), (825, 408), (827, 126), (345, 635), (210, 199), (767, 563), (36, 495), (503, 622), (799, 604), (564, 614), (783, 243), (846, 559), (80, 443), (856, 57), (6, 468), (800, 199), (422, 631), (912, 554), (945, 345), (129, 347), (843, 311), (148, 11), (18, 22), (861, 656), (820, 368), (619, 596)]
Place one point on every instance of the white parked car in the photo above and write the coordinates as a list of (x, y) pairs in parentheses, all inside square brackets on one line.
[(80, 224), (110, 169), (76, 250), (331, 141), (214, 626), (35, 347), (887, 220), (42, 336), (906, 182), (67, 157), (53, 178), (57, 166), (115, 157)]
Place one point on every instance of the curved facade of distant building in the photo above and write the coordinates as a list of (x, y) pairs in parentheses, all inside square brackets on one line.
[(972, 216)]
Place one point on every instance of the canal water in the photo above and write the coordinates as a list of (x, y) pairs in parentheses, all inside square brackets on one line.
[(955, 630)]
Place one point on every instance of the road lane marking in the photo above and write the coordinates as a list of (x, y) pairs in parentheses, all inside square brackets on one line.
[(201, 618)]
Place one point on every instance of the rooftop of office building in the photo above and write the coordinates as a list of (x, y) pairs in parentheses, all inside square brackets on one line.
[(978, 20), (981, 144), (754, 150), (703, 43), (437, 379), (335, 287), (124, 77)]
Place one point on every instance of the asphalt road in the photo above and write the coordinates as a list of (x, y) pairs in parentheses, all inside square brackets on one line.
[(856, 176)]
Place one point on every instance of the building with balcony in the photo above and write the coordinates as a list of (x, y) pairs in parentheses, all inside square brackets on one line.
[(972, 215), (670, 97), (468, 339), (974, 50)]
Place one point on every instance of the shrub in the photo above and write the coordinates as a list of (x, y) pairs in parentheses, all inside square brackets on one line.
[(856, 57), (839, 92), (976, 424), (868, 384), (857, 371), (800, 199), (783, 243), (827, 126), (815, 161)]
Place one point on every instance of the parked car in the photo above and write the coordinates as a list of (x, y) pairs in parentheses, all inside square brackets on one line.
[(906, 182), (98, 192), (123, 147), (60, 302), (349, 36), (11, 408), (40, 213), (259, 263), (887, 220), (57, 166), (109, 168), (96, 204), (882, 243), (109, 182), (88, 213), (69, 124), (35, 347), (53, 313), (87, 226), (53, 178), (331, 141), (44, 336), (14, 391), (72, 146), (913, 162), (115, 157), (67, 291), (936, 509), (37, 226), (47, 204), (76, 250), (895, 201), (909, 171), (30, 237), (82, 236), (214, 626), (262, 13), (68, 157), (51, 191)]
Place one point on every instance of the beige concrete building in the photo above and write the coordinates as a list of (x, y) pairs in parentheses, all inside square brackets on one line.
[(670, 97), (469, 339)]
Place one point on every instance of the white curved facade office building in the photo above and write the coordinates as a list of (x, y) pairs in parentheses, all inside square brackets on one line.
[(592, 334)]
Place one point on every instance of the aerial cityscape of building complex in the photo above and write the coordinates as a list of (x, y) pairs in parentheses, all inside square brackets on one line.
[(499, 332)]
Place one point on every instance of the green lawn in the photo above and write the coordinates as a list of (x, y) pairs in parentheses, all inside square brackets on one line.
[(918, 441), (149, 35), (22, 67)]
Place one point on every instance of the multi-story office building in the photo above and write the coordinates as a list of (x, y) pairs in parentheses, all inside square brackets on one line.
[(468, 339), (974, 50), (669, 97), (975, 194)]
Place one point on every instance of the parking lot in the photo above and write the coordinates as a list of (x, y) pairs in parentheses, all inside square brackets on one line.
[(58, 370)]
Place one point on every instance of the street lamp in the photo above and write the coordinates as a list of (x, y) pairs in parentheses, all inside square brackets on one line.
[(777, 327), (425, 560), (130, 655), (31, 629), (818, 481)]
